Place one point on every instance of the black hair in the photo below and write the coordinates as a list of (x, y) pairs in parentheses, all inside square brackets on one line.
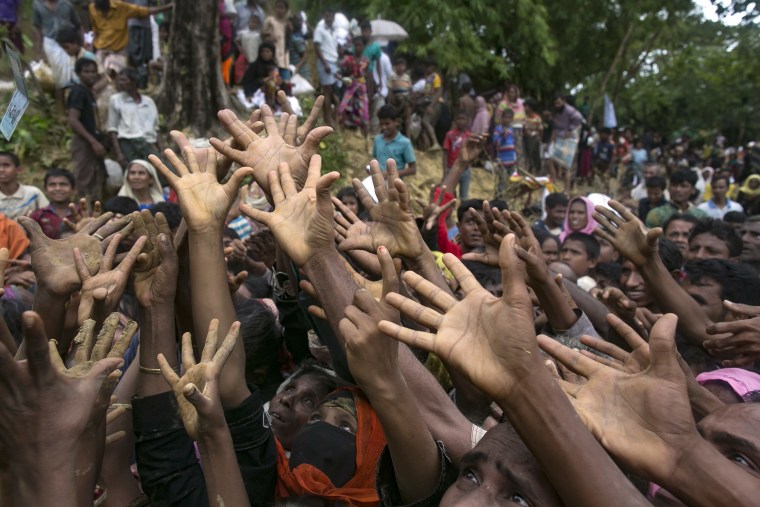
[(387, 112), (259, 333), (484, 273), (684, 175), (121, 204), (670, 254), (609, 270), (508, 112), (606, 130), (540, 233), (531, 103), (284, 2), (82, 63), (590, 243), (656, 182), (14, 158), (67, 36), (683, 217), (350, 192), (556, 199), (56, 172), (478, 205), (103, 6), (323, 375), (739, 283), (720, 230), (721, 177), (399, 60), (130, 73), (735, 217), (171, 212), (366, 24)]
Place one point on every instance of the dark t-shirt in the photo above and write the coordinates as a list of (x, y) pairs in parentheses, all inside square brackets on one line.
[(603, 151), (82, 99), (50, 23)]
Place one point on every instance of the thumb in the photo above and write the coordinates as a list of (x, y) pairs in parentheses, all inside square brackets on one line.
[(32, 228), (748, 310), (236, 180), (316, 135), (662, 346), (196, 398)]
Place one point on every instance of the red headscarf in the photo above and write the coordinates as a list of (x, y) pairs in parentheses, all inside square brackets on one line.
[(360, 490)]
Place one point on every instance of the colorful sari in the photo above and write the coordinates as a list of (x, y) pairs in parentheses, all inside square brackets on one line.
[(353, 110)]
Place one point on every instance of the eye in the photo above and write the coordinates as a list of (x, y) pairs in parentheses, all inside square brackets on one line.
[(308, 402), (470, 476), (290, 389), (346, 427), (519, 500), (742, 461), (314, 417)]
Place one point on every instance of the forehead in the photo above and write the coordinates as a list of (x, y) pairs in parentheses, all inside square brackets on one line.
[(708, 238), (58, 180), (573, 245), (6, 160), (578, 206), (740, 420), (679, 225), (752, 226)]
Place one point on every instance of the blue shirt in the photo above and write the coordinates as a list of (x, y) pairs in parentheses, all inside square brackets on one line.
[(399, 149), (504, 139)]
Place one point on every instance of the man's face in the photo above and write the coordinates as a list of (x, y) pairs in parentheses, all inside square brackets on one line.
[(633, 284), (59, 190), (329, 19), (751, 242), (469, 233), (654, 194), (124, 83), (290, 409), (732, 430), (556, 215), (607, 252), (681, 192), (649, 171), (71, 48), (8, 170), (707, 292), (389, 127), (559, 104), (367, 33), (719, 189), (500, 471), (550, 250), (89, 75), (573, 253), (678, 232), (707, 246)]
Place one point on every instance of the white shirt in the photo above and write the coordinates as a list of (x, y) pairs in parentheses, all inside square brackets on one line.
[(25, 200), (131, 120), (713, 211), (387, 69), (327, 43)]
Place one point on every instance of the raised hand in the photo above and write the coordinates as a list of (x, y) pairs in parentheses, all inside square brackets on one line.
[(197, 391), (394, 226), (643, 419), (265, 154), (307, 126), (490, 340), (372, 356), (472, 148), (616, 302), (431, 212), (203, 200), (492, 231), (44, 410), (155, 273), (102, 292), (302, 221), (82, 215), (740, 344), (629, 362), (627, 233)]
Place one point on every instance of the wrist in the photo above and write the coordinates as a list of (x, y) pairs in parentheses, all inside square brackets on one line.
[(383, 386), (321, 260)]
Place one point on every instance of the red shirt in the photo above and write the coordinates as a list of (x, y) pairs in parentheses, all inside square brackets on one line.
[(452, 145)]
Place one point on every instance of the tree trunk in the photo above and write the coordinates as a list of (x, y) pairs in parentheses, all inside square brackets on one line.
[(193, 90)]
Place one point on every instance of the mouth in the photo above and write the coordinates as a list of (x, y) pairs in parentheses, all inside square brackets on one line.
[(276, 418)]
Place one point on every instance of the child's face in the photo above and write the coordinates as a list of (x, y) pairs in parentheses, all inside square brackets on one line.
[(58, 189), (400, 68), (389, 127), (506, 119), (266, 54), (573, 253), (8, 170), (461, 122), (280, 10), (71, 48), (254, 24)]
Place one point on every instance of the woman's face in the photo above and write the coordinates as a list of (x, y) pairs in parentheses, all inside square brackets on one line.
[(754, 183), (351, 203), (512, 93), (358, 47), (337, 417), (266, 54), (291, 408), (138, 177), (550, 249), (576, 216)]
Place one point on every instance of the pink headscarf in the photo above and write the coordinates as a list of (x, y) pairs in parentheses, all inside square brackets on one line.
[(482, 119), (741, 381), (590, 223)]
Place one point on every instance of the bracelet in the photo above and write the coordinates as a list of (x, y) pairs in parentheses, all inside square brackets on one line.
[(126, 406), (156, 371)]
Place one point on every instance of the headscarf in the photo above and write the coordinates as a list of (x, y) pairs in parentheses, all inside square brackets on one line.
[(741, 381), (482, 119), (590, 222), (359, 490), (156, 195), (258, 70), (745, 188)]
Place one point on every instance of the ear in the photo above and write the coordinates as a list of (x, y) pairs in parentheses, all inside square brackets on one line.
[(591, 263)]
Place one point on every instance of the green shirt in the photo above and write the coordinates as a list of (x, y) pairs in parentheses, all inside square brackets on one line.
[(658, 216)]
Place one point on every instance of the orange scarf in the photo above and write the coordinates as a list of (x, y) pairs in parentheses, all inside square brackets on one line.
[(360, 490)]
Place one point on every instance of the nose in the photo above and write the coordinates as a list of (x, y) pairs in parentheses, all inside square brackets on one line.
[(634, 280)]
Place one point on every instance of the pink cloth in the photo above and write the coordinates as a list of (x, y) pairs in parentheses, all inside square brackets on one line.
[(590, 224), (482, 120), (740, 380)]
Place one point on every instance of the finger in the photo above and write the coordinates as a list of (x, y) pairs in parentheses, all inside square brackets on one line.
[(604, 347), (437, 296), (291, 131), (128, 263), (164, 171), (388, 270), (313, 115), (570, 389), (115, 437), (391, 173), (612, 363), (33, 230), (748, 310), (114, 413), (324, 184), (572, 359), (79, 264), (363, 242), (622, 211), (662, 346), (512, 273), (125, 339), (309, 289), (416, 339), (102, 369), (314, 137), (105, 337), (630, 336), (227, 150), (236, 128), (378, 181), (345, 211), (209, 348), (224, 351), (441, 195), (415, 311), (106, 262), (317, 312), (363, 194), (282, 123), (282, 100), (255, 214), (237, 179), (347, 328), (123, 226), (167, 371), (196, 398), (55, 357), (480, 220), (97, 223), (466, 279), (186, 354), (162, 225), (83, 341), (286, 180)]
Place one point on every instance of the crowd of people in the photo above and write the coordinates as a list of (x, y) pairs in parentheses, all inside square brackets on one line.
[(231, 328)]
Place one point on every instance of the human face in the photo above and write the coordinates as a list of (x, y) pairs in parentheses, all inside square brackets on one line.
[(124, 83), (138, 177), (707, 246), (649, 171), (680, 193), (559, 104), (70, 48), (719, 190), (290, 409), (89, 74), (329, 19), (367, 33), (633, 284), (336, 417), (506, 118), (389, 127), (461, 123), (577, 217), (732, 430), (470, 234), (556, 215), (351, 203), (500, 471), (266, 54), (512, 93), (573, 253), (400, 68), (59, 190), (358, 46), (707, 292), (751, 242), (280, 10), (550, 249), (607, 252), (8, 170), (678, 232), (654, 194)]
